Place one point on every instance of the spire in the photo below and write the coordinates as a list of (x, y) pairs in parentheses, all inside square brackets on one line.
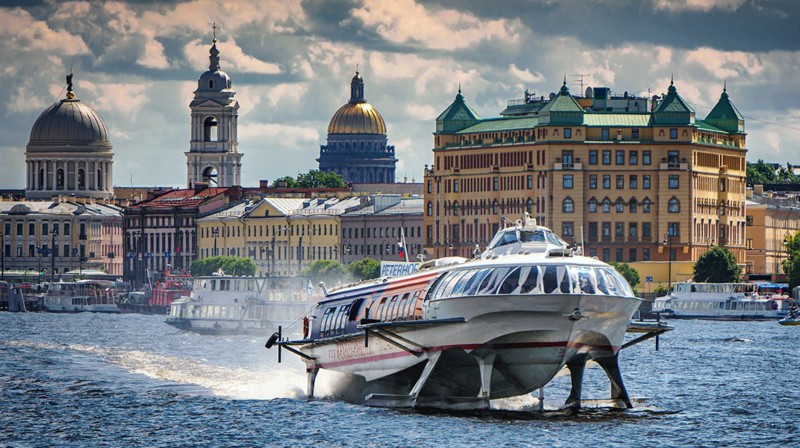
[(564, 88), (213, 52), (70, 93), (357, 89)]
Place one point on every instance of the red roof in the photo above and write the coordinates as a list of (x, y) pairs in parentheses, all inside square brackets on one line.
[(181, 198)]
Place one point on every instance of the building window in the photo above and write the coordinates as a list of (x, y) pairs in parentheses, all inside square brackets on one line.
[(592, 205), (529, 205), (430, 186), (566, 158), (568, 181), (495, 183), (620, 205), (646, 157), (645, 254), (673, 157), (593, 181), (620, 156), (530, 182), (567, 132), (646, 230), (646, 181), (748, 220), (606, 205), (495, 207), (673, 133), (456, 209), (620, 181), (568, 206), (633, 157), (674, 229), (593, 253), (674, 182), (568, 229), (607, 230), (430, 209), (618, 255), (606, 157), (619, 229), (632, 205), (455, 186), (593, 157), (606, 255), (606, 181), (633, 230), (646, 205), (674, 206), (633, 182), (604, 134), (592, 231), (635, 133), (632, 255)]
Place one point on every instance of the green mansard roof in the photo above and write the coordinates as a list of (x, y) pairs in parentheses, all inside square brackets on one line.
[(725, 116), (673, 110), (563, 109), (457, 116)]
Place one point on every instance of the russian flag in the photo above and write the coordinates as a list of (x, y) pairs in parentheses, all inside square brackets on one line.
[(400, 250)]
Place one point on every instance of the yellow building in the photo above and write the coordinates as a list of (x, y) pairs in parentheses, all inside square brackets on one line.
[(637, 180), (771, 218)]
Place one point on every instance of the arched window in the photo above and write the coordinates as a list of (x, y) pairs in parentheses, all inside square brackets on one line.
[(568, 206), (210, 129), (592, 205), (632, 205), (495, 207), (646, 205), (620, 205), (606, 205), (529, 205), (430, 208), (456, 208), (674, 205)]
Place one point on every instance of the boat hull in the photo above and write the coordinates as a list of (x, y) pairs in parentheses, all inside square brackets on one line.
[(524, 340), (224, 327)]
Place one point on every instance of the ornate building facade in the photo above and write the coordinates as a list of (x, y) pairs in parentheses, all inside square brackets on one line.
[(214, 156), (638, 180), (357, 145)]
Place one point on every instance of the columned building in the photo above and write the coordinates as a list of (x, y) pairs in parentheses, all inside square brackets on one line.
[(637, 180), (69, 152), (357, 145), (214, 156)]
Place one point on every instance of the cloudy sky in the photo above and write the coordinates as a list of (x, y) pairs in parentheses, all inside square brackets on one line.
[(137, 63)]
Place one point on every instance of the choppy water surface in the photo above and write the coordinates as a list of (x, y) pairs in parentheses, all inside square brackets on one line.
[(131, 380)]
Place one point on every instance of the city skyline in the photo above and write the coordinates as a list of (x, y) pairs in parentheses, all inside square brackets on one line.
[(137, 65)]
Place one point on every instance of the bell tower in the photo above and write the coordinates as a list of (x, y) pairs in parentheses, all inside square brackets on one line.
[(214, 156)]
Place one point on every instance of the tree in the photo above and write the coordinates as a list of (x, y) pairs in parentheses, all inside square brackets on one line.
[(328, 271), (287, 180), (229, 265), (661, 290), (760, 173), (791, 266), (312, 179), (630, 274), (365, 268), (717, 265)]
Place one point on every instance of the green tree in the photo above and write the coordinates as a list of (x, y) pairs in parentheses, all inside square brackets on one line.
[(365, 268), (630, 274), (320, 179), (661, 290), (760, 173), (229, 265), (791, 266), (329, 271), (717, 265), (290, 182)]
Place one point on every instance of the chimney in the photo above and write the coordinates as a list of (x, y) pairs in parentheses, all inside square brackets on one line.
[(758, 189), (200, 186)]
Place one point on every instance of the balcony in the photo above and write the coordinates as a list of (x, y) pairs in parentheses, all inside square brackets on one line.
[(558, 166)]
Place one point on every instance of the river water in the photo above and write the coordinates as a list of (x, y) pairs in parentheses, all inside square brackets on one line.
[(131, 380)]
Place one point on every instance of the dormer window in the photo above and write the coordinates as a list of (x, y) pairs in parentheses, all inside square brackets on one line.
[(210, 83)]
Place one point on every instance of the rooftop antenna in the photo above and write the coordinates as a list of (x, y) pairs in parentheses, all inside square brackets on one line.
[(579, 80), (214, 33)]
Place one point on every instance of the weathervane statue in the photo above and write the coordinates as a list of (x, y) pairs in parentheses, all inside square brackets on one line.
[(70, 93)]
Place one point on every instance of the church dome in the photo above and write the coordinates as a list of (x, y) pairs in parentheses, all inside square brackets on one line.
[(357, 116), (69, 122)]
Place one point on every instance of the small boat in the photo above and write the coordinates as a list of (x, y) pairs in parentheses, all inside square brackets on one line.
[(93, 296), (792, 317), (720, 301), (458, 333), (222, 304)]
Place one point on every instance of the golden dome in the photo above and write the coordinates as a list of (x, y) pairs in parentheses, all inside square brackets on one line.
[(358, 118)]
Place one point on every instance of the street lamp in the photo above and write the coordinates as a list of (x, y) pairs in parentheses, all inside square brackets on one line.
[(668, 242), (215, 234)]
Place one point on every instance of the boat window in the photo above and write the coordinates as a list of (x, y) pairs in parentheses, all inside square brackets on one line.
[(327, 318), (509, 237), (510, 282), (355, 309), (402, 307), (536, 236), (586, 280), (213, 285), (458, 289), (471, 288), (447, 289), (529, 280), (389, 311), (492, 281), (375, 311), (550, 279)]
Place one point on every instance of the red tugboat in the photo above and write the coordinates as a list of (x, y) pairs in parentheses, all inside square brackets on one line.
[(174, 284)]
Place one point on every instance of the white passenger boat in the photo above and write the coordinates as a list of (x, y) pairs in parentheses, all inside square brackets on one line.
[(224, 304), (720, 301), (459, 333), (94, 296)]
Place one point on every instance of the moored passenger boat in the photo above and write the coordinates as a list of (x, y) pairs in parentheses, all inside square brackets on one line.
[(224, 304), (721, 301), (94, 296), (460, 333)]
